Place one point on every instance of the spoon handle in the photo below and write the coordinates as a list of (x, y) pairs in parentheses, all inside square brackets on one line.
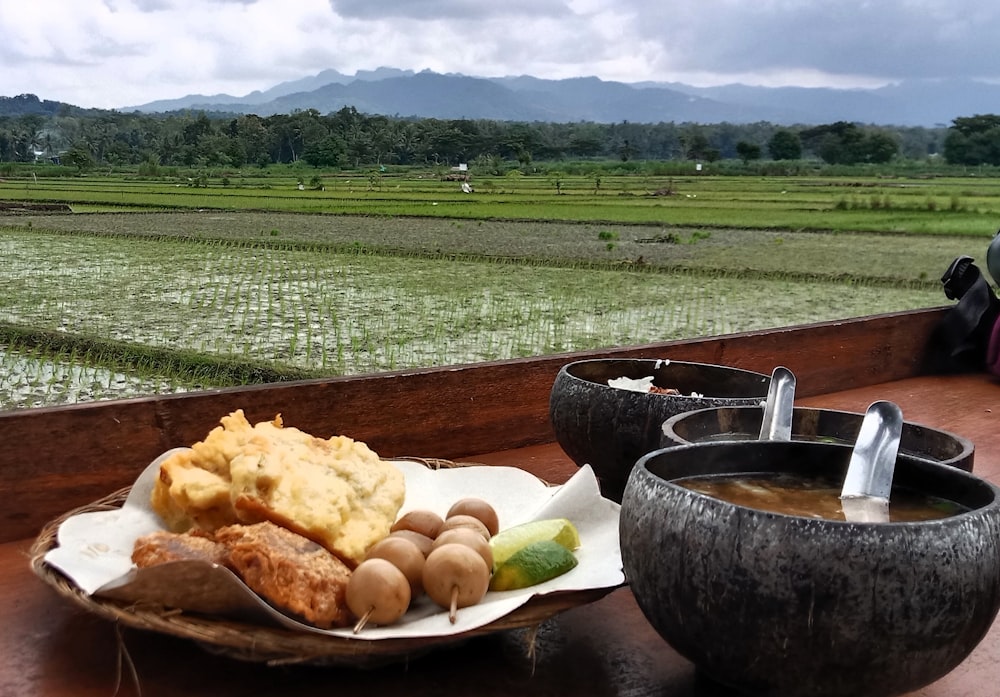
[(873, 461), (778, 409)]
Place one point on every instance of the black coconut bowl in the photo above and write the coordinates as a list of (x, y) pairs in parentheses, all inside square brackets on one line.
[(611, 428), (826, 425), (773, 604)]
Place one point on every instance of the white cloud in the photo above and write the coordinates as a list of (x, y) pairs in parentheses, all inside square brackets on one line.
[(884, 39), (111, 53), (430, 10)]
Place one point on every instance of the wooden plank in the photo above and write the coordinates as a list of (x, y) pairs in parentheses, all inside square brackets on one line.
[(55, 459)]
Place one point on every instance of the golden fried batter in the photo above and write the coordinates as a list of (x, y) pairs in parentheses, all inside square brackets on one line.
[(291, 572), (193, 488), (334, 491), (162, 546), (294, 574)]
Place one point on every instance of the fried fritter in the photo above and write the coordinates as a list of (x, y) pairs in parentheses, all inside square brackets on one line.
[(291, 572), (161, 547), (194, 486), (335, 491)]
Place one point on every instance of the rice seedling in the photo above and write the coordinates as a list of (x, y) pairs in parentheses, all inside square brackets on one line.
[(111, 304), (32, 378), (798, 203), (337, 314)]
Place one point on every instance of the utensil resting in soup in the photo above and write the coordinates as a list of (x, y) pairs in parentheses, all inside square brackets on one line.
[(868, 483), (863, 496), (776, 421), (808, 605)]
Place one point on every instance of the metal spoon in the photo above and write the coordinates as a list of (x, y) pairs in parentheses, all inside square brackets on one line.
[(865, 494), (777, 421)]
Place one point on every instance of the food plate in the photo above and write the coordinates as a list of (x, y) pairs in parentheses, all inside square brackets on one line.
[(285, 643)]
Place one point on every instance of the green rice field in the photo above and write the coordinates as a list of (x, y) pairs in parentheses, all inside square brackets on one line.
[(917, 204), (146, 295)]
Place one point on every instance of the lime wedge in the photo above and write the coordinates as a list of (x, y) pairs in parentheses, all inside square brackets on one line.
[(508, 541), (531, 565)]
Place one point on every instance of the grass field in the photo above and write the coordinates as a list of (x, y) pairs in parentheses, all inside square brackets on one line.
[(151, 287), (940, 205)]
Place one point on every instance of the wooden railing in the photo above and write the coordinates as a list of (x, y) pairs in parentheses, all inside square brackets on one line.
[(54, 459)]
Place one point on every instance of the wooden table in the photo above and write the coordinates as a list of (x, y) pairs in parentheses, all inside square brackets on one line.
[(57, 459)]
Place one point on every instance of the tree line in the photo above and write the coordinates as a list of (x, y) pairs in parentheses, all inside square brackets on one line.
[(349, 138)]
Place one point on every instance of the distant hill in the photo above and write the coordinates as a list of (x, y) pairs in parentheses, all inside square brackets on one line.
[(223, 102), (913, 103), (30, 104), (432, 95), (394, 92), (404, 93)]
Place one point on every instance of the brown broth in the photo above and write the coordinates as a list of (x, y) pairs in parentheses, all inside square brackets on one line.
[(737, 435), (792, 494)]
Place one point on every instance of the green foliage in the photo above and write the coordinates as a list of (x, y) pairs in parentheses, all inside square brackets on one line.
[(37, 170), (696, 145), (848, 143), (149, 168), (974, 140), (785, 145), (748, 151), (29, 104), (350, 139), (79, 156), (329, 152)]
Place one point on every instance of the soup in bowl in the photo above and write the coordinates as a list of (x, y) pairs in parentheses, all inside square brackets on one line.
[(779, 602)]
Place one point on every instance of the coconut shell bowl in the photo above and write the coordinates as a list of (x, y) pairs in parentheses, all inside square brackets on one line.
[(610, 428), (825, 425), (768, 603)]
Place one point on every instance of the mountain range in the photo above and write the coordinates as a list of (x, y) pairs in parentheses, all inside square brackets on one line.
[(425, 94)]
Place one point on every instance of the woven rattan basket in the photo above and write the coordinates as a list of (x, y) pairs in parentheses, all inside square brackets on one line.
[(276, 645)]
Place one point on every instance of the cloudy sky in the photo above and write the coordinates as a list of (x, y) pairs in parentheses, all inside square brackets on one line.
[(114, 53)]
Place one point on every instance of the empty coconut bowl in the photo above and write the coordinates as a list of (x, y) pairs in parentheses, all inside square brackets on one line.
[(826, 425), (610, 428), (777, 604)]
